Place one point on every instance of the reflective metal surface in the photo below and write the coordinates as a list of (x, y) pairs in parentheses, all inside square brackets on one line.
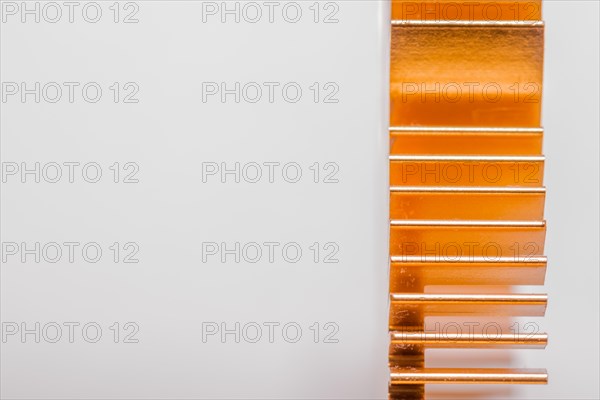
[(466, 177)]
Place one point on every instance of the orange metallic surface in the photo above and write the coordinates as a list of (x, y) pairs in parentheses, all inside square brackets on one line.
[(464, 304), (448, 242), (466, 270), (402, 340), (481, 10), (463, 141), (470, 376), (466, 175), (467, 203), (466, 171), (466, 75)]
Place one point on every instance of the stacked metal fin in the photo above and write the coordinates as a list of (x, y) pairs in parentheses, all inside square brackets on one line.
[(466, 175)]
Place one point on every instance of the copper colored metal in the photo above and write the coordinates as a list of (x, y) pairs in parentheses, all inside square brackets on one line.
[(466, 141), (448, 240), (466, 74), (469, 376), (481, 10), (468, 203), (466, 175), (484, 171), (427, 304), (466, 270), (430, 340)]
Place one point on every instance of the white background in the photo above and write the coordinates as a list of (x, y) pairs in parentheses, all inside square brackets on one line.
[(170, 133)]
